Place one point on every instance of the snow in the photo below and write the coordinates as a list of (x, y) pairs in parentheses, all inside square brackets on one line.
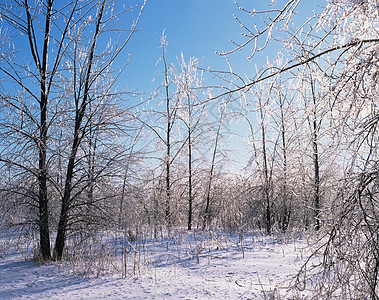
[(213, 269)]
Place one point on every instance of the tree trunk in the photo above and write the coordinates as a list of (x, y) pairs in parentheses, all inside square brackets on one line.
[(168, 184), (316, 188), (42, 180), (286, 212), (189, 227), (66, 202), (78, 135), (316, 183), (266, 187), (168, 145), (42, 166), (206, 219)]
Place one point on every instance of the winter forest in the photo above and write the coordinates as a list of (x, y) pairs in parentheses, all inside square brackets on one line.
[(99, 178)]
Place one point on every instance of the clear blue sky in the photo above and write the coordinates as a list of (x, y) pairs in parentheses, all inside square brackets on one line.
[(198, 28)]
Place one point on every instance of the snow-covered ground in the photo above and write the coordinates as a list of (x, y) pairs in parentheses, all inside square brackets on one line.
[(217, 268)]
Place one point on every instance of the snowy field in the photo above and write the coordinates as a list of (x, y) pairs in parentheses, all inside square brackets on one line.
[(187, 267)]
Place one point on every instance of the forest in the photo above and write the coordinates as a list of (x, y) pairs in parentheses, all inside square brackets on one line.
[(84, 158)]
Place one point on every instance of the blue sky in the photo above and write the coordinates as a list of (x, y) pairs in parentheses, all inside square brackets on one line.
[(198, 28)]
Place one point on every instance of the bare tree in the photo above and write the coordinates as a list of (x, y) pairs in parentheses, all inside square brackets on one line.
[(281, 120), (26, 19), (171, 111), (82, 93), (58, 55), (192, 115), (340, 44), (163, 127), (207, 210)]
